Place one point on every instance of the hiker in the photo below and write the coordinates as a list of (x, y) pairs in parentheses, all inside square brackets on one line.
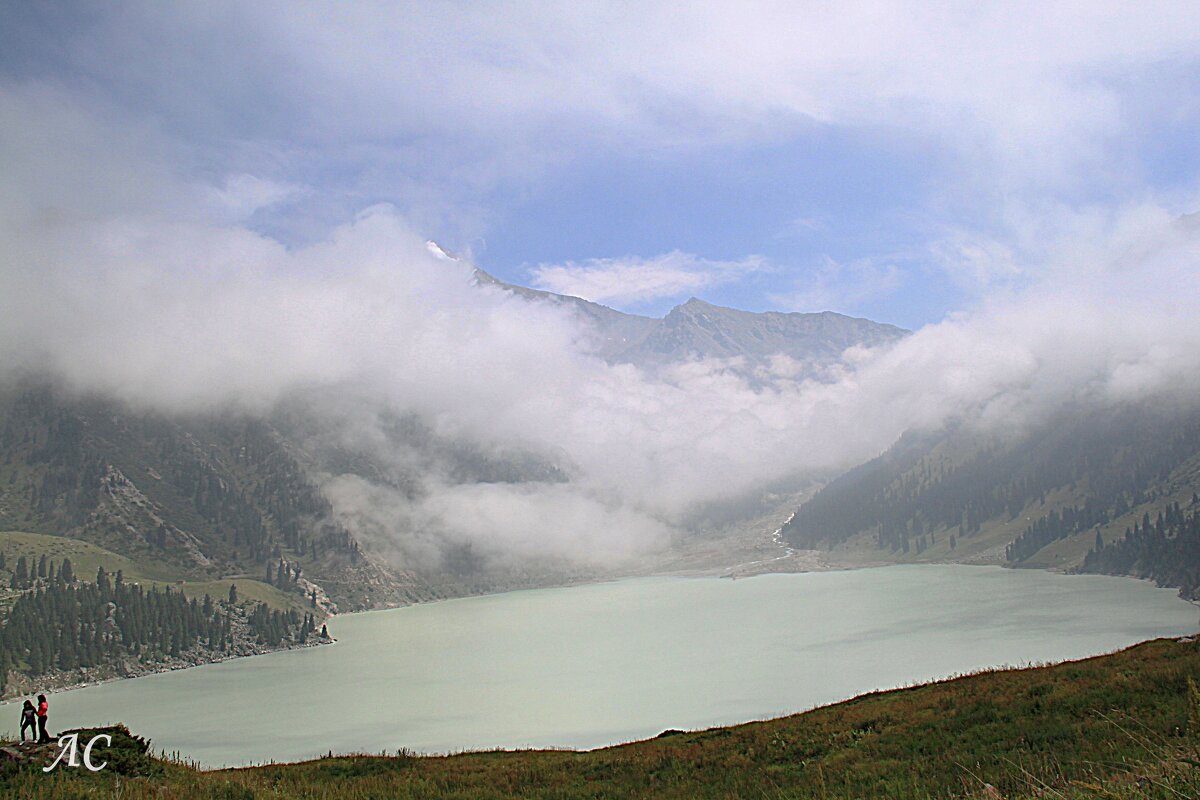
[(43, 711), (29, 720)]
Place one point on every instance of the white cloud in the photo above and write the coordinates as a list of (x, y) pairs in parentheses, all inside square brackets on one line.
[(1029, 94), (635, 280), (119, 273), (190, 315), (242, 195), (834, 286)]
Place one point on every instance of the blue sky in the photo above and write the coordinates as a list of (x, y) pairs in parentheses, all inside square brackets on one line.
[(887, 160), (823, 193)]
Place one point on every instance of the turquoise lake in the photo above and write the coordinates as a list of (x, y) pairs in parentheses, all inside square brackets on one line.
[(592, 665)]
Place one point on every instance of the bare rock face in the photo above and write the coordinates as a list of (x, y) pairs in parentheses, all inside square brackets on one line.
[(699, 330)]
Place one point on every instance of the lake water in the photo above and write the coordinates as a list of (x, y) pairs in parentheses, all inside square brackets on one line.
[(592, 665)]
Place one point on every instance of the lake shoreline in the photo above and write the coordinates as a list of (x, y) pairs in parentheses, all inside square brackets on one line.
[(601, 663), (792, 561), (58, 681)]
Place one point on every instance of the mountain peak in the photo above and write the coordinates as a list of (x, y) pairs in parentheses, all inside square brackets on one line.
[(699, 329), (695, 305), (440, 252)]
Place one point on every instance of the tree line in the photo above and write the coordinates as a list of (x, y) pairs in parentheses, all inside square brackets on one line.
[(1115, 459), (1054, 526), (227, 481), (1164, 548), (62, 623)]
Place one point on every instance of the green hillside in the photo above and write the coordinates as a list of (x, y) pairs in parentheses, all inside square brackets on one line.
[(199, 498), (1041, 497), (73, 612), (87, 558), (1118, 726)]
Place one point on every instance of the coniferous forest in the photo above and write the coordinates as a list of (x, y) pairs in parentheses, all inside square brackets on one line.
[(1165, 549), (60, 624), (1109, 465)]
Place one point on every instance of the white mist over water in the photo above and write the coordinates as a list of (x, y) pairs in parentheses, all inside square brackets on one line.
[(594, 665)]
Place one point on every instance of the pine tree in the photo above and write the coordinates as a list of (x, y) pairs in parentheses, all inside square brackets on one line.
[(233, 597)]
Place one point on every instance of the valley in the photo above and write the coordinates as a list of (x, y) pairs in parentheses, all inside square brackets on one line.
[(617, 378)]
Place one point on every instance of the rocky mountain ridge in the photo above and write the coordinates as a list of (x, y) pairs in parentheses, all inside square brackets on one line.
[(697, 329)]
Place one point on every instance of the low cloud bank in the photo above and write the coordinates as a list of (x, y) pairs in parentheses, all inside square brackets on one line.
[(193, 315), (638, 280), (150, 286)]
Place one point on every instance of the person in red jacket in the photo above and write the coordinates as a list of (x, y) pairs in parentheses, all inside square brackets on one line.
[(43, 711)]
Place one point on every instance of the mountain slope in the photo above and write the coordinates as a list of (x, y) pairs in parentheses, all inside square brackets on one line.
[(616, 332), (697, 330), (205, 497), (1045, 497), (218, 495)]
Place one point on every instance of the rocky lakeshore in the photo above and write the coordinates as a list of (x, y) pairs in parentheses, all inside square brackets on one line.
[(62, 680)]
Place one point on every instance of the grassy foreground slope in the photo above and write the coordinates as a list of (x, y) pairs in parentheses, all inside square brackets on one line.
[(1123, 725)]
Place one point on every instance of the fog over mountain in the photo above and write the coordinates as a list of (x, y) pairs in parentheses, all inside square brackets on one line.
[(187, 317), (191, 223), (697, 330)]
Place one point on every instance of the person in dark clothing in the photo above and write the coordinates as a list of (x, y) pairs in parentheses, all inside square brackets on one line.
[(43, 711), (29, 720)]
